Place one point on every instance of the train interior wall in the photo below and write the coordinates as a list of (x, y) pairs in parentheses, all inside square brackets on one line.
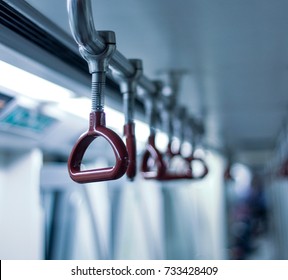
[(53, 218), (45, 215)]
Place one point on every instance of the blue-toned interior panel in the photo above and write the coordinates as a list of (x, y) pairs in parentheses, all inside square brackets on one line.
[(29, 119)]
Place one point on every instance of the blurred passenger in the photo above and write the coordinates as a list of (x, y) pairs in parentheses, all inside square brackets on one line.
[(249, 219)]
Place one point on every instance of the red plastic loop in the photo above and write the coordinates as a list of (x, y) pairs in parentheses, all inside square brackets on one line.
[(170, 153), (97, 128), (167, 176), (190, 174), (162, 173), (152, 152), (129, 132)]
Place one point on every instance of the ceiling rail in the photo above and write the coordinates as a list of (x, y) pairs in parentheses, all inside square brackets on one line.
[(84, 32)]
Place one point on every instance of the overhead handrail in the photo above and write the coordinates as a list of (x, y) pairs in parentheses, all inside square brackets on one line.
[(171, 114), (94, 44), (152, 165), (187, 171), (128, 88), (168, 116), (98, 66), (84, 32), (157, 160)]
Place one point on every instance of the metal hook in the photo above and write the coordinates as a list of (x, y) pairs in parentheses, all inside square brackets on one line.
[(151, 153), (169, 111), (82, 26), (128, 87), (152, 157)]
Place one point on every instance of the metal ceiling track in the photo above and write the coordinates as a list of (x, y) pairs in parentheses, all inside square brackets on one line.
[(24, 20), (81, 20), (22, 10)]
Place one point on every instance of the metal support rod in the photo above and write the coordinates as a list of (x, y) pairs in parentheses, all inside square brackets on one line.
[(128, 88), (169, 103), (166, 118), (98, 66), (84, 32), (194, 132), (150, 103), (151, 115), (180, 122), (97, 91)]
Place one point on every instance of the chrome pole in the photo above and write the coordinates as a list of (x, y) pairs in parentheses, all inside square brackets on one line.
[(84, 32)]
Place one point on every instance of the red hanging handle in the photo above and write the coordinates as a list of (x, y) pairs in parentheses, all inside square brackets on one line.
[(167, 176), (153, 153), (161, 172), (97, 128), (190, 174), (170, 153), (129, 133)]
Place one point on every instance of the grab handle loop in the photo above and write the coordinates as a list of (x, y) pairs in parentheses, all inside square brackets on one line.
[(152, 159), (170, 153), (129, 133), (190, 173), (98, 66), (172, 175), (97, 128), (128, 88)]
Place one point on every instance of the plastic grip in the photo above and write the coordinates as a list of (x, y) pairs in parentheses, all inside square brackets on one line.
[(168, 175), (190, 174), (129, 133), (97, 128), (169, 151), (152, 152)]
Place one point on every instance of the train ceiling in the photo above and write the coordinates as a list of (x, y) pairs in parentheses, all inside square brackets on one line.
[(235, 53)]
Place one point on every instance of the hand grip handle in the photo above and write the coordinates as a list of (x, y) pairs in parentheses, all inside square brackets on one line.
[(97, 128), (170, 153), (186, 174), (168, 175), (129, 132), (151, 152), (190, 174)]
